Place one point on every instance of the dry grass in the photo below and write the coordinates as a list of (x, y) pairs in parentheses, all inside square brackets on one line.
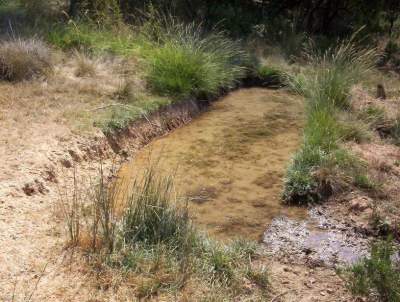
[(85, 66), (24, 59)]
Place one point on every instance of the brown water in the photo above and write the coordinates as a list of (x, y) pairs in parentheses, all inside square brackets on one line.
[(231, 160)]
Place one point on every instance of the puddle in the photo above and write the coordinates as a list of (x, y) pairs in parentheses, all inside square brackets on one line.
[(318, 241), (230, 161)]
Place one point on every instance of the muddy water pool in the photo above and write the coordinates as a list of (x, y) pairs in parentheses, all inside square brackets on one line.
[(231, 160)]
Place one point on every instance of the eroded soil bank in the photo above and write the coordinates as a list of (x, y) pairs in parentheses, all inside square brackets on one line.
[(230, 161)]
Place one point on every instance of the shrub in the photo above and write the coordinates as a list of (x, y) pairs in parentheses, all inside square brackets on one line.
[(377, 275), (22, 59)]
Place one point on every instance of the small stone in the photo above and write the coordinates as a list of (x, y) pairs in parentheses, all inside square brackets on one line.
[(322, 293), (329, 291)]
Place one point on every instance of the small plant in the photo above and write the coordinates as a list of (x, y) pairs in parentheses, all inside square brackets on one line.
[(376, 275), (22, 59)]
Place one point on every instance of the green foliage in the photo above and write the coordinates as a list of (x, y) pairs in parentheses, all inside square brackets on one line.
[(91, 37), (22, 59), (151, 216), (378, 274), (183, 61), (325, 85)]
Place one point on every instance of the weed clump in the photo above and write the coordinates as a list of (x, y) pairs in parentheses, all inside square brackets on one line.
[(24, 59), (377, 275)]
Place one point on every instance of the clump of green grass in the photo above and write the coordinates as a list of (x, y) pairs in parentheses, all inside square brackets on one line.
[(378, 275), (325, 85), (24, 59), (183, 60), (152, 217)]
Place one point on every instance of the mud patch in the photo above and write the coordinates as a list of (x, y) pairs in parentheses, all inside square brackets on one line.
[(319, 241)]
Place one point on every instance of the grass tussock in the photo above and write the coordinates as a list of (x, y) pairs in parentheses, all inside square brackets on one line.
[(185, 61), (85, 66), (24, 59), (148, 238), (377, 275), (325, 84)]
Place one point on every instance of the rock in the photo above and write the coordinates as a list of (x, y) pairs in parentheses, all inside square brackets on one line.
[(360, 204)]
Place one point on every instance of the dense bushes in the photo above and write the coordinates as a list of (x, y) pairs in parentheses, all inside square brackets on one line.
[(325, 85), (22, 59)]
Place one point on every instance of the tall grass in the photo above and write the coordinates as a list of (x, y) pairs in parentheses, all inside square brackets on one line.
[(183, 60), (146, 235), (326, 85), (152, 215)]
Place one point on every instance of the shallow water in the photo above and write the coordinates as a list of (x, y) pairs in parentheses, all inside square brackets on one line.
[(230, 161)]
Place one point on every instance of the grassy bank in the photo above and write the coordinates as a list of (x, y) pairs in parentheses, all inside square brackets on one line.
[(148, 239), (322, 165)]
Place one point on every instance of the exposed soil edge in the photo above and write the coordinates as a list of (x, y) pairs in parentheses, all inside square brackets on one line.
[(141, 132)]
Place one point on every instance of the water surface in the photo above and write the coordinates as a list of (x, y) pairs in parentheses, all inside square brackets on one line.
[(231, 160)]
